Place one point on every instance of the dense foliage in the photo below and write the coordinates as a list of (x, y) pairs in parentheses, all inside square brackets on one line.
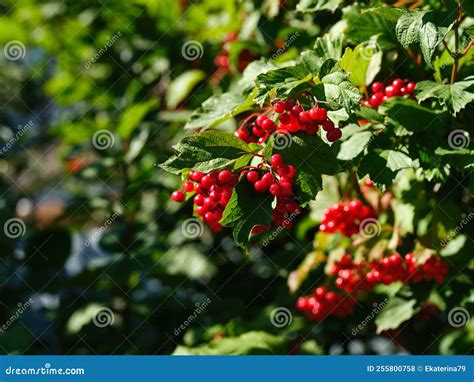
[(237, 177)]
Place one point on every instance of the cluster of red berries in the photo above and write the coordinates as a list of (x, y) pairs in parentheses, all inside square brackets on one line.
[(278, 181), (288, 117), (381, 93), (323, 303), (345, 217), (222, 60), (350, 274), (213, 192)]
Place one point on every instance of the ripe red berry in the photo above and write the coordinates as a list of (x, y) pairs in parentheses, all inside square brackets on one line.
[(260, 119), (398, 83), (276, 160), (178, 196), (411, 87), (334, 135), (279, 107), (225, 176), (268, 178), (318, 114), (188, 186), (252, 176), (377, 87), (275, 189), (328, 125), (268, 125), (260, 186), (207, 181), (285, 118)]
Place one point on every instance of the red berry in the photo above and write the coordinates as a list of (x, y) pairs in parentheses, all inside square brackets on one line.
[(268, 178), (252, 176), (328, 125), (285, 118), (275, 189), (188, 186), (268, 125), (260, 119), (207, 181), (398, 83), (411, 87), (279, 107), (260, 186), (225, 176), (318, 115), (178, 196), (377, 87), (276, 160), (334, 135), (288, 105)]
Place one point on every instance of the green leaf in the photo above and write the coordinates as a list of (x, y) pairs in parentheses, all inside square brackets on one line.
[(207, 151), (363, 63), (338, 92), (426, 28), (397, 311), (328, 46), (217, 109), (312, 158), (404, 215), (454, 96), (280, 82), (396, 160), (379, 22), (318, 5), (407, 113), (376, 167), (133, 116), (354, 145), (246, 209), (250, 343), (182, 86)]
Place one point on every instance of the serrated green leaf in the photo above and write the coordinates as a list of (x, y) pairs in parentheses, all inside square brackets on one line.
[(182, 86), (318, 5), (397, 311), (328, 46), (396, 160), (454, 96), (426, 28), (246, 209), (217, 109), (338, 92), (363, 63), (280, 82), (207, 151), (354, 145)]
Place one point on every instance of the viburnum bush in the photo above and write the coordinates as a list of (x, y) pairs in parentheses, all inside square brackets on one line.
[(364, 137)]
